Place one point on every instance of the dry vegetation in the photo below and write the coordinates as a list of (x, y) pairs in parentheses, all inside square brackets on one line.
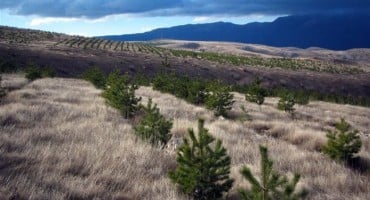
[(58, 140)]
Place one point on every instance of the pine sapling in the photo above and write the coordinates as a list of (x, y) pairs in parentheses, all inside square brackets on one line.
[(120, 94), (153, 127), (219, 98), (2, 91), (343, 142), (96, 77), (255, 93), (203, 169), (286, 102), (271, 185)]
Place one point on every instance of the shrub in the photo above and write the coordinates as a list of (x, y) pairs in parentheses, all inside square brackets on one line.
[(48, 72), (255, 93), (7, 67), (202, 171), (286, 102), (142, 79), (272, 184), (154, 127), (120, 94), (2, 91), (180, 86), (219, 98), (197, 91), (96, 77), (343, 142), (164, 82), (33, 72), (302, 97)]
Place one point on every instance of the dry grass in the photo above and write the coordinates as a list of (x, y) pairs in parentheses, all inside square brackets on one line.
[(58, 140), (294, 144)]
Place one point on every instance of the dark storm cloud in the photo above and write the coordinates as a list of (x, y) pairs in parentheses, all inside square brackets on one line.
[(100, 8)]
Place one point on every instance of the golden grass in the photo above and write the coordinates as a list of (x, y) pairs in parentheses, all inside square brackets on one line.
[(58, 140)]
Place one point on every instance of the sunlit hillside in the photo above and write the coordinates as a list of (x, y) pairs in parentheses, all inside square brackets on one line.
[(59, 140)]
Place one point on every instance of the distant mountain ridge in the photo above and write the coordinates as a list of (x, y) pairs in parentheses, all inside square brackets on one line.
[(336, 32)]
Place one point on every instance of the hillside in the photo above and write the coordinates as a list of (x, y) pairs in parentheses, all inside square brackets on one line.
[(59, 140), (70, 56), (335, 31)]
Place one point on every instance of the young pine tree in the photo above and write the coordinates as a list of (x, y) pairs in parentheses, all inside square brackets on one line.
[(219, 98), (96, 77), (197, 92), (203, 170), (33, 72), (255, 93), (154, 127), (272, 185), (120, 94), (2, 91), (343, 142), (286, 102), (302, 97), (48, 72)]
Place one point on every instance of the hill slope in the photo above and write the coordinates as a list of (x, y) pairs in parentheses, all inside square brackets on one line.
[(336, 32), (70, 56), (58, 140)]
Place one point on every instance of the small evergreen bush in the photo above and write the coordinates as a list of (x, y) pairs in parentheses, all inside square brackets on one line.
[(203, 170), (164, 82), (142, 80), (2, 91), (48, 72), (180, 86), (271, 185), (96, 77), (120, 94), (7, 67), (153, 127), (255, 93), (33, 72), (302, 97), (219, 98), (287, 102), (197, 91), (343, 142)]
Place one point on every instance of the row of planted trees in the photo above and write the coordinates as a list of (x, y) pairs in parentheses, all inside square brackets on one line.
[(203, 164), (217, 96)]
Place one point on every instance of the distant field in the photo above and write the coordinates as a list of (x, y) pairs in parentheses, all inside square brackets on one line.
[(59, 140)]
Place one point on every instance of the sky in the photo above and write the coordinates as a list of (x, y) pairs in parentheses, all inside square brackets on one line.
[(112, 17)]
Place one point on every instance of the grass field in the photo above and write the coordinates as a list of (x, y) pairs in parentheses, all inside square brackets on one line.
[(58, 140)]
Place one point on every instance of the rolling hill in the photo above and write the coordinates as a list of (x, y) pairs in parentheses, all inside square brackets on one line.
[(336, 32), (332, 73)]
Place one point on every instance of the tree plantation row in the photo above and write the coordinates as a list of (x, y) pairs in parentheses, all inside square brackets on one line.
[(237, 60)]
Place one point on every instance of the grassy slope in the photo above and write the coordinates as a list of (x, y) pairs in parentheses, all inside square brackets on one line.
[(59, 140)]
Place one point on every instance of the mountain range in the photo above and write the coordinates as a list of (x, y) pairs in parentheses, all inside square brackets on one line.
[(336, 32)]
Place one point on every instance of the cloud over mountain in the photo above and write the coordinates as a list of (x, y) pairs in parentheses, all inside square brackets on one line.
[(101, 8)]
